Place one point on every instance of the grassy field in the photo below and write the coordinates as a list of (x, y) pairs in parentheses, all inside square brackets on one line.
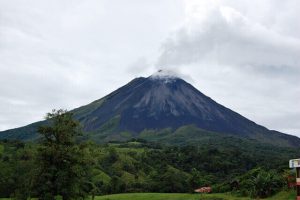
[(158, 196), (166, 196), (179, 196)]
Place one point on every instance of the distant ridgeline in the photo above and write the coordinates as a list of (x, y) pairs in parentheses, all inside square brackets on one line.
[(161, 108)]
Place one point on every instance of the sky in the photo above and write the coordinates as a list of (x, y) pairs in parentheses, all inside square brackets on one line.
[(68, 53)]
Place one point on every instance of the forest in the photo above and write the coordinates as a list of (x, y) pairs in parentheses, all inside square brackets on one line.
[(138, 166), (62, 165)]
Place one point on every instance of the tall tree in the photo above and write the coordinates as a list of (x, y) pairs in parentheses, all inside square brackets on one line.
[(63, 164)]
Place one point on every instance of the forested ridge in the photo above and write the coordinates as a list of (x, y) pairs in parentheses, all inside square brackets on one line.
[(63, 164), (140, 166)]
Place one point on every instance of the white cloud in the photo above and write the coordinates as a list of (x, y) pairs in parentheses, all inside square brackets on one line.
[(243, 57), (244, 54), (63, 54), (228, 37)]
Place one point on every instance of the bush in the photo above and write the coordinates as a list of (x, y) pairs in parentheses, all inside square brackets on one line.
[(261, 183)]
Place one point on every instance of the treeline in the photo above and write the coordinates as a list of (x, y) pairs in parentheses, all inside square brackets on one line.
[(60, 165), (136, 167)]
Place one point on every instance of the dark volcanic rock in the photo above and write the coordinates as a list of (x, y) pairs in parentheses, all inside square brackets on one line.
[(162, 101), (156, 103)]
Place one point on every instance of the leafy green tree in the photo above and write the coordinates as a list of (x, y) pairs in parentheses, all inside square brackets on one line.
[(260, 183), (173, 180), (198, 179), (23, 173), (63, 164), (265, 184)]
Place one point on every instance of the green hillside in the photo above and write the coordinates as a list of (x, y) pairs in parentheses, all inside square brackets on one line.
[(140, 166)]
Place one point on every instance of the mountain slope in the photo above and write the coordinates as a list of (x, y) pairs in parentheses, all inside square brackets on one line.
[(147, 103), (161, 102)]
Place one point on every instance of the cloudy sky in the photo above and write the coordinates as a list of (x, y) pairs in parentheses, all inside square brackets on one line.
[(67, 53)]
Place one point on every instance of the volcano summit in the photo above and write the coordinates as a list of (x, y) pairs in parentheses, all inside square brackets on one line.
[(160, 106)]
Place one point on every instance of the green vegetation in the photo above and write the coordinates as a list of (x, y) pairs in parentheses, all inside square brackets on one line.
[(140, 166), (71, 167), (62, 165), (168, 196), (1, 149), (285, 195)]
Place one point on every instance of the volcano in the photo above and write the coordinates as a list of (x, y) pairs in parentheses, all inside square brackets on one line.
[(159, 102)]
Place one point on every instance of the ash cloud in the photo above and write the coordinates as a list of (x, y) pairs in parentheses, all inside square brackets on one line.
[(245, 55)]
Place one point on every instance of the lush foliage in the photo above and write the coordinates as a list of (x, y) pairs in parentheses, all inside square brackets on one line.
[(57, 166), (140, 166), (62, 165)]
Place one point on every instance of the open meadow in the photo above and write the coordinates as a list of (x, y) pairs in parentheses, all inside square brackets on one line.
[(181, 196), (284, 195)]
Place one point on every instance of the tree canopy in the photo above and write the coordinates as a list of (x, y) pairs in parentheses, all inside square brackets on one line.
[(62, 163)]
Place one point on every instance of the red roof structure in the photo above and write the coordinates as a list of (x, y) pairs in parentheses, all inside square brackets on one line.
[(203, 190)]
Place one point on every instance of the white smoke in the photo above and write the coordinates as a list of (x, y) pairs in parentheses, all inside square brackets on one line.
[(170, 73)]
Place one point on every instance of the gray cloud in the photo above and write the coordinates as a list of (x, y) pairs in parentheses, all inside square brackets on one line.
[(243, 56), (140, 66), (229, 38), (63, 54)]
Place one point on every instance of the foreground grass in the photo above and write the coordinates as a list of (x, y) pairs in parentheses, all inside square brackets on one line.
[(167, 196), (284, 195)]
